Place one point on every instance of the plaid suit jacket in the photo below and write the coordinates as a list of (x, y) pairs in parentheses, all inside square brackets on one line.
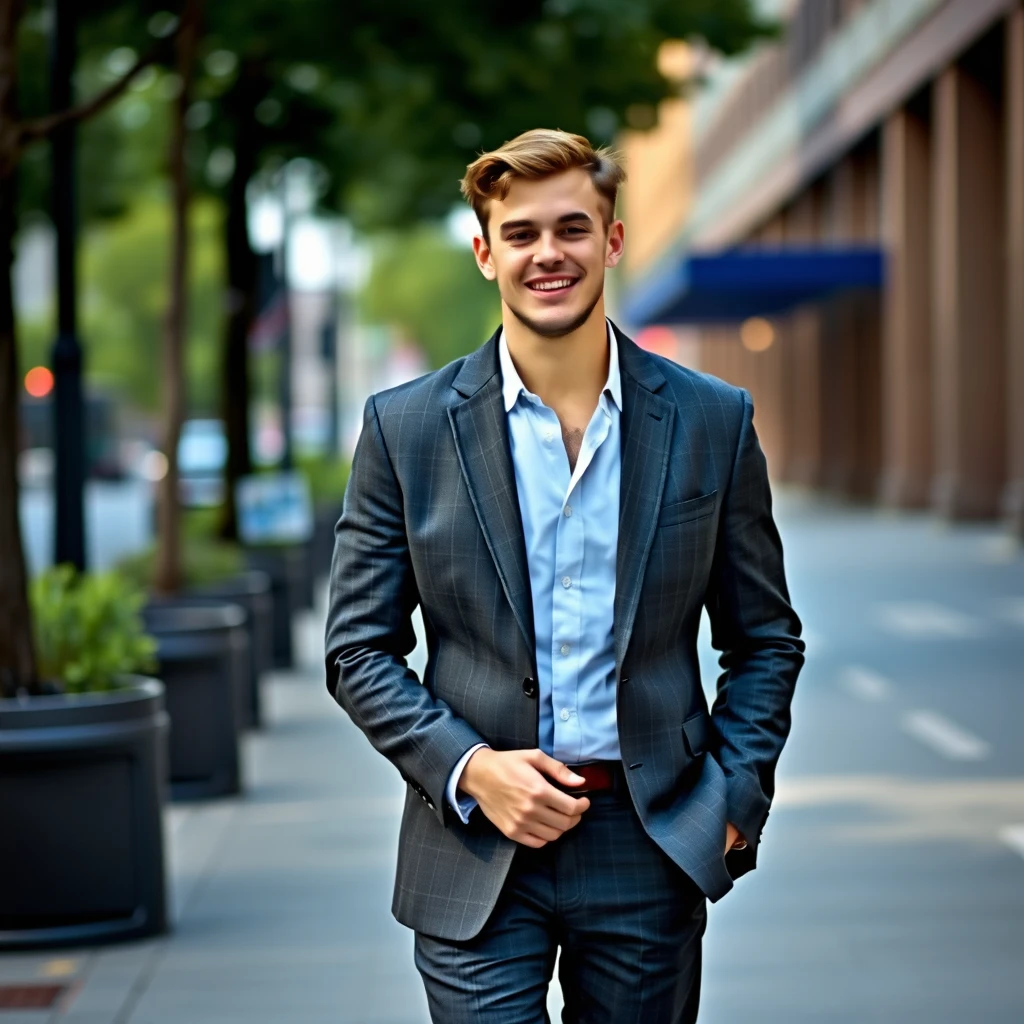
[(431, 518)]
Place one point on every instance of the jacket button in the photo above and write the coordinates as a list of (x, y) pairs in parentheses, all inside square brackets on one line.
[(530, 686)]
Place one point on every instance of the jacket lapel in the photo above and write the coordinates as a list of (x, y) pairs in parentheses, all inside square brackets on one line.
[(485, 458), (647, 421)]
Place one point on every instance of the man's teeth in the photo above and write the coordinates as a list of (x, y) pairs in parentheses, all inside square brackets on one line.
[(547, 286)]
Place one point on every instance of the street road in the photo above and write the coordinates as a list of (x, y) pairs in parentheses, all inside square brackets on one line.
[(891, 880)]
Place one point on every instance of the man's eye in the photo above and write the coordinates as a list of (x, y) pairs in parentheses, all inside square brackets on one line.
[(519, 236), (575, 229)]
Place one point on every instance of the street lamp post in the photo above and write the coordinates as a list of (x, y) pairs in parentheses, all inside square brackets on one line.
[(68, 405)]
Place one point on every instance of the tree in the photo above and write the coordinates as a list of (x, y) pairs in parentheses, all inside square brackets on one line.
[(17, 657), (393, 100)]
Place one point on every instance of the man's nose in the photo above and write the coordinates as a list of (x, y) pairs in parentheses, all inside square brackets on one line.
[(548, 251)]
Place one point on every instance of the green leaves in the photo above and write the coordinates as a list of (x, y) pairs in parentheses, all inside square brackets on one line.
[(88, 629)]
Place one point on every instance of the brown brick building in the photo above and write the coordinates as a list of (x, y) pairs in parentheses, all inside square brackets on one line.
[(893, 127)]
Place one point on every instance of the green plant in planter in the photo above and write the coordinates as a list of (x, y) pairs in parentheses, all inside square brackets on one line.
[(328, 478), (88, 629)]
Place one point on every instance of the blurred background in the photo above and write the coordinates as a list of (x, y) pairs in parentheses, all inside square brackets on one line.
[(824, 205)]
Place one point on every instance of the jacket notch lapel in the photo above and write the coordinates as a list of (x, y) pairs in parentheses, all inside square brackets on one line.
[(647, 422), (485, 458)]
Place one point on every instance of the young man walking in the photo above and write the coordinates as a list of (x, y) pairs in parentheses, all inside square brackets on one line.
[(562, 505)]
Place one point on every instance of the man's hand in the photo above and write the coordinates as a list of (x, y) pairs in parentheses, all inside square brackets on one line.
[(733, 839), (511, 789)]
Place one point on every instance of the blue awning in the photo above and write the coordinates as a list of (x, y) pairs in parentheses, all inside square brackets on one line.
[(740, 283)]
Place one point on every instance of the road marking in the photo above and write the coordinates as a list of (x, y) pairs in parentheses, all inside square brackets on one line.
[(943, 736), (1013, 836), (924, 619), (866, 683)]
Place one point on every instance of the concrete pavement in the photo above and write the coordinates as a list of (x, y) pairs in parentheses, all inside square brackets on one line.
[(891, 881)]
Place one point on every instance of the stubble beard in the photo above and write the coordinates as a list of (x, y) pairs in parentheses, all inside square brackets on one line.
[(559, 329)]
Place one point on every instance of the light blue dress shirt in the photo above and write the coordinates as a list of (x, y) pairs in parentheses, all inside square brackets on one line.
[(571, 528)]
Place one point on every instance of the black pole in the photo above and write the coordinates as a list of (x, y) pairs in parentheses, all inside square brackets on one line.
[(285, 340), (68, 404)]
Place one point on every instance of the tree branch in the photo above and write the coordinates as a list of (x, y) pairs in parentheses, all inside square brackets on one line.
[(42, 127)]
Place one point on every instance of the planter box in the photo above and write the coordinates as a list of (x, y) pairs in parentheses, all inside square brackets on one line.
[(81, 792), (291, 588), (203, 655), (251, 590), (321, 548)]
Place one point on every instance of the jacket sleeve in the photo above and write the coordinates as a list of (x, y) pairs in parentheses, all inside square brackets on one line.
[(758, 634), (369, 630)]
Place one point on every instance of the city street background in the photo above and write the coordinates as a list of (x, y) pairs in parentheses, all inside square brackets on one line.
[(890, 885)]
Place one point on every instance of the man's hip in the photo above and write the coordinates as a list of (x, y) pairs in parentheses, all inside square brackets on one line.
[(628, 921)]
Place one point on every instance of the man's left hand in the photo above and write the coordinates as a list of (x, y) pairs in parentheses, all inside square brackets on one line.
[(733, 839)]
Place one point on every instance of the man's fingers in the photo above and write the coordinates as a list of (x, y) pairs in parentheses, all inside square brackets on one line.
[(556, 770)]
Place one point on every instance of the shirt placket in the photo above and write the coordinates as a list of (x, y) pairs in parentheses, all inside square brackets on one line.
[(568, 596)]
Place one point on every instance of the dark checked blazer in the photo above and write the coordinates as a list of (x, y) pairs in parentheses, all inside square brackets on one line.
[(431, 518)]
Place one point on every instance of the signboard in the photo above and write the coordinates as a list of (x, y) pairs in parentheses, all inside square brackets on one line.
[(274, 508)]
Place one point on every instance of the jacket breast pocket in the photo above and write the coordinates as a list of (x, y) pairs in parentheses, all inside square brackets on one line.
[(687, 511)]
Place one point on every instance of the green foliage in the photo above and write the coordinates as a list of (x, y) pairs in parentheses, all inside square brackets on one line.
[(204, 560), (88, 629), (125, 292), (328, 477), (420, 272)]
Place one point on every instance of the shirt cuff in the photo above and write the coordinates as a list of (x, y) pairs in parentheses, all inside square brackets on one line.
[(462, 805)]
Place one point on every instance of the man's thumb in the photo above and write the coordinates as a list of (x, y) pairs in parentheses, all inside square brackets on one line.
[(558, 771)]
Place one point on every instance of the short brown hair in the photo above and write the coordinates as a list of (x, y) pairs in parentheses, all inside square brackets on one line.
[(538, 154)]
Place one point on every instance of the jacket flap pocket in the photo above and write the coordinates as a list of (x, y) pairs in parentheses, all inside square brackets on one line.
[(697, 732), (685, 511)]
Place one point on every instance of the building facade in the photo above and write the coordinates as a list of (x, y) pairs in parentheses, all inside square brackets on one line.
[(894, 126)]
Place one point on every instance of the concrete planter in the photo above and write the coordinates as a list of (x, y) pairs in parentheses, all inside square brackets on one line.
[(81, 792), (291, 587), (203, 651), (252, 591)]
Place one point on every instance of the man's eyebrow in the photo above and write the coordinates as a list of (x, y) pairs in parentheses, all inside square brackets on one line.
[(566, 218)]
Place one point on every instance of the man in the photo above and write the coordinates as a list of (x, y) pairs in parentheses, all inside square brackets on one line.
[(561, 505)]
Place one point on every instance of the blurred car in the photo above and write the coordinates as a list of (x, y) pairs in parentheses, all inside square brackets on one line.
[(202, 455)]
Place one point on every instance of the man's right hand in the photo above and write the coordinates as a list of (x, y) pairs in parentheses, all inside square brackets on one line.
[(512, 789)]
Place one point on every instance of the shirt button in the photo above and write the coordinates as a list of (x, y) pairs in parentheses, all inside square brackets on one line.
[(549, 436), (564, 715), (566, 582), (568, 511), (564, 649)]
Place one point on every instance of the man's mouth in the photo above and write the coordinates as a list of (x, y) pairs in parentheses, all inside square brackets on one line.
[(554, 285)]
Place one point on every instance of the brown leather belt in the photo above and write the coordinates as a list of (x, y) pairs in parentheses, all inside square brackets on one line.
[(599, 775)]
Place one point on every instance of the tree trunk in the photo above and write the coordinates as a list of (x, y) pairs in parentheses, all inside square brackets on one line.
[(17, 655), (168, 559), (243, 285)]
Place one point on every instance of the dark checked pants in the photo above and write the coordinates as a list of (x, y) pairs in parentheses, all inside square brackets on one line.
[(629, 923)]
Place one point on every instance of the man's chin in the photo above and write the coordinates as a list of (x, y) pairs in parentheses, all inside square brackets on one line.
[(555, 325)]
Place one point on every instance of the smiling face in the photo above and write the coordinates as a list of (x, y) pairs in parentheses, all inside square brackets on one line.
[(549, 244)]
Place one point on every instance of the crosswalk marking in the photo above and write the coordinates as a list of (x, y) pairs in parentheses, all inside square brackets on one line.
[(866, 683), (925, 619), (943, 736), (1013, 836)]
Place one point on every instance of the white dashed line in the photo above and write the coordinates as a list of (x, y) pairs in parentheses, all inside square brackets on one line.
[(943, 736), (1013, 836), (926, 619), (866, 684)]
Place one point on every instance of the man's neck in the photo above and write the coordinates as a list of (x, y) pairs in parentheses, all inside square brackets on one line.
[(559, 371)]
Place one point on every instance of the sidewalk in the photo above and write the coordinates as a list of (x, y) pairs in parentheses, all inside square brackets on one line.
[(280, 898)]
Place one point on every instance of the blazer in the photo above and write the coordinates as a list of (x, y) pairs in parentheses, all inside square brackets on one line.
[(431, 518)]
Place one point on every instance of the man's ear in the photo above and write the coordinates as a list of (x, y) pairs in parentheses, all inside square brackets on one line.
[(615, 243), (482, 252)]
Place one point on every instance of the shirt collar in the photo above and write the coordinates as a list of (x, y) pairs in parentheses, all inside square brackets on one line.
[(512, 385)]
